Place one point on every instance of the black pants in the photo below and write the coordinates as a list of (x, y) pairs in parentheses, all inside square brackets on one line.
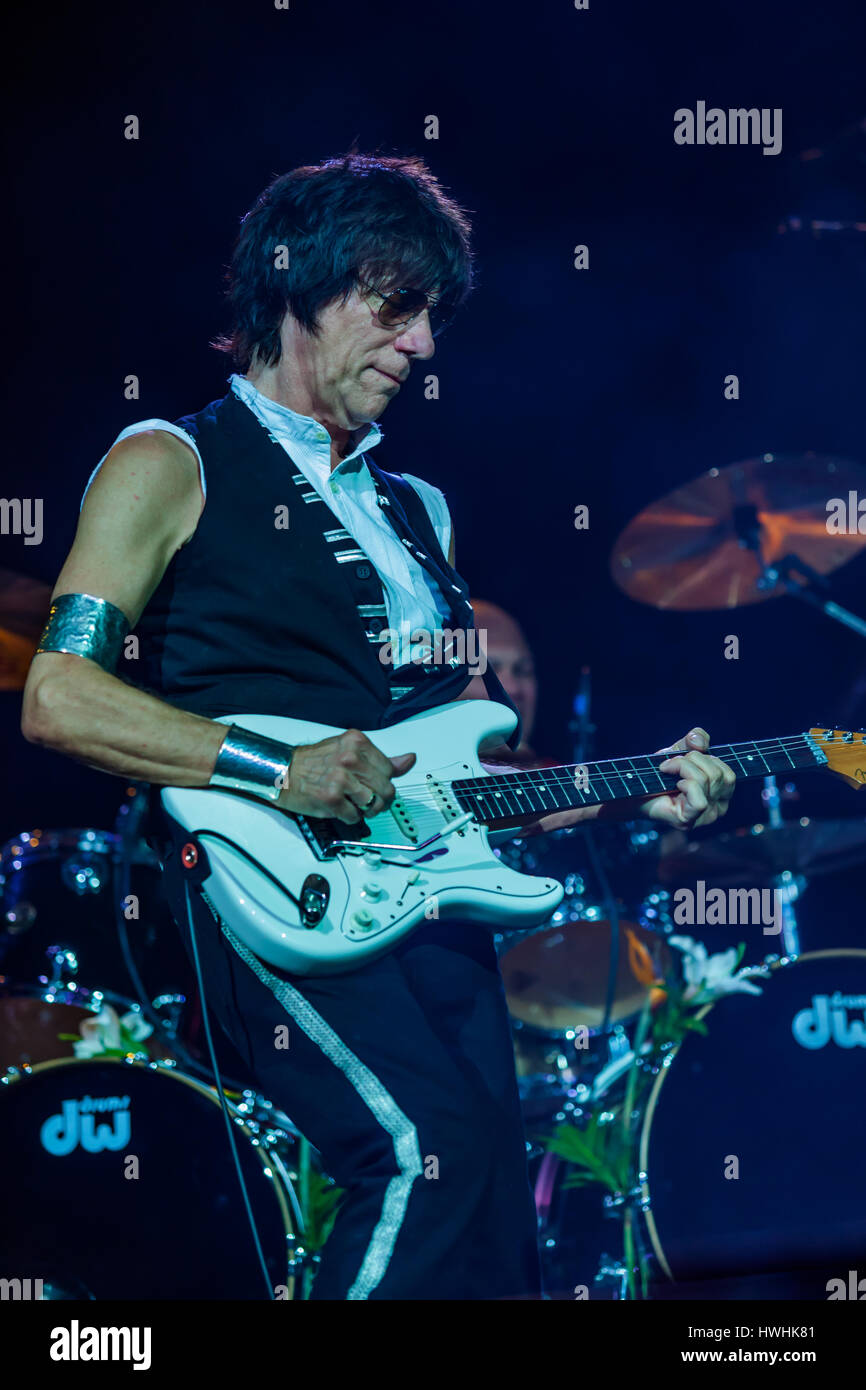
[(401, 1074)]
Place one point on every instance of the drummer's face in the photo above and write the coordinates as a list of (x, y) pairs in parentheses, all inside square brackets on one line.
[(512, 661)]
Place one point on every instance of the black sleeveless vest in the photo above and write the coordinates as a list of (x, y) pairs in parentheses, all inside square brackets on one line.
[(254, 617)]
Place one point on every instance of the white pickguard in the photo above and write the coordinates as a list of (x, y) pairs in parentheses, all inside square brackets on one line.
[(372, 903)]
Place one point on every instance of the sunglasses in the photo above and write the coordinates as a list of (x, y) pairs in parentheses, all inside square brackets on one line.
[(400, 307)]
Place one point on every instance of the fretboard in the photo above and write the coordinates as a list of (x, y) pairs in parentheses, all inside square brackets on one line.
[(508, 794)]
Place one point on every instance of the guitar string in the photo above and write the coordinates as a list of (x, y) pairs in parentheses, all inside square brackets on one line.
[(512, 783), (542, 775)]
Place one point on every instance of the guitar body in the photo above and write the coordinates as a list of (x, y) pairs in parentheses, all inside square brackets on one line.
[(431, 860), (315, 896)]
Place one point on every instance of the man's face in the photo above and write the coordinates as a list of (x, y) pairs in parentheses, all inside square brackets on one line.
[(507, 652), (512, 661), (350, 372)]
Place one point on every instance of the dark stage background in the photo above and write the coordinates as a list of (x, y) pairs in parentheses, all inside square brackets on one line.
[(558, 387)]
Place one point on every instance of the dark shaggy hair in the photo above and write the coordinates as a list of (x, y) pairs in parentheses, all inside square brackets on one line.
[(384, 220)]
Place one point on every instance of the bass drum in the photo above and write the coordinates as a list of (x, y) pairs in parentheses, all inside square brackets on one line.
[(754, 1135), (123, 1186)]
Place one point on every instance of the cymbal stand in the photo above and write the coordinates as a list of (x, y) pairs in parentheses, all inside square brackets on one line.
[(787, 885)]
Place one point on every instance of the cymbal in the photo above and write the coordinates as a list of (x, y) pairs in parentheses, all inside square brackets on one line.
[(24, 605), (757, 853), (686, 551)]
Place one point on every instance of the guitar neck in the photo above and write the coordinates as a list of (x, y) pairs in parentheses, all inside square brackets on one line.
[(503, 796)]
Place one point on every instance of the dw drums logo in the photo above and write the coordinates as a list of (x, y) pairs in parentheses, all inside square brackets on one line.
[(829, 1020), (78, 1123)]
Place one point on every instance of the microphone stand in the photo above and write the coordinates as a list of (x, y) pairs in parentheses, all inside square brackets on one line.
[(583, 729)]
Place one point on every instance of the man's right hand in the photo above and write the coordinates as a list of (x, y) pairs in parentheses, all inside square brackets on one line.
[(339, 776)]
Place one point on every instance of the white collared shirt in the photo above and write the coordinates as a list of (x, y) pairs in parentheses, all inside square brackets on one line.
[(413, 600)]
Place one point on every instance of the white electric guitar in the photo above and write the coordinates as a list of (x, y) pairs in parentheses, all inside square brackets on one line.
[(314, 896)]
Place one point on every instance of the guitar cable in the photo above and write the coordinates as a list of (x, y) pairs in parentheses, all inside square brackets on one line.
[(223, 1102), (128, 829), (233, 844)]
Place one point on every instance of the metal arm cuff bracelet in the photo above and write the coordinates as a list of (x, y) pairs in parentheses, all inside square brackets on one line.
[(86, 626), (249, 762)]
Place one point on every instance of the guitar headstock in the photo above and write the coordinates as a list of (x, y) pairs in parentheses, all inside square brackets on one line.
[(845, 751)]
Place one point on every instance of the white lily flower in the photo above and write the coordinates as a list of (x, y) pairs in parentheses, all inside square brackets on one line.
[(709, 977), (136, 1025), (101, 1033)]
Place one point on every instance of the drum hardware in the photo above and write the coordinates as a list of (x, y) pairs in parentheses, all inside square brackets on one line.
[(569, 988), (574, 1224), (270, 1116), (173, 1005), (655, 913), (757, 853), (782, 854), (18, 919), (57, 892), (621, 1060), (556, 976), (612, 1274), (64, 966), (584, 733), (635, 1198), (555, 984), (784, 885), (788, 889)]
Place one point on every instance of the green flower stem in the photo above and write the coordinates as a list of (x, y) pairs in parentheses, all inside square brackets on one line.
[(640, 1039), (628, 1250)]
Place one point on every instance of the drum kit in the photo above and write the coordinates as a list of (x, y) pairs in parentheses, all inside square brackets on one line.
[(99, 1015), (766, 1084), (771, 1082), (116, 1146)]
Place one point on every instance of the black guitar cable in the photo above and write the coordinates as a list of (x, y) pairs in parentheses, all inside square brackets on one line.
[(223, 1102)]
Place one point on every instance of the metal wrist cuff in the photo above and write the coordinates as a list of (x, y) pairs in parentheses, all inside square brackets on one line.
[(249, 762), (86, 626)]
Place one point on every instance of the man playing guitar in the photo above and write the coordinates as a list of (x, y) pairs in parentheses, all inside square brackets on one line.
[(401, 1072)]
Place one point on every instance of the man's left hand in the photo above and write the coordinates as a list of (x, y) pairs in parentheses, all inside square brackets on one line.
[(704, 788), (703, 792)]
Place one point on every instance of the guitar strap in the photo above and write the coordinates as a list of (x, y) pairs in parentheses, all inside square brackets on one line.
[(409, 517)]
